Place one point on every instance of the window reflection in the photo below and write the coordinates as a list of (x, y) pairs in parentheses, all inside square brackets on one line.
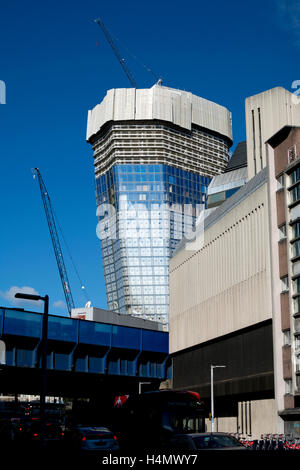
[(136, 265)]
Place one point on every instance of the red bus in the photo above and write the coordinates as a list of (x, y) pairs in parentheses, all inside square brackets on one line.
[(147, 421)]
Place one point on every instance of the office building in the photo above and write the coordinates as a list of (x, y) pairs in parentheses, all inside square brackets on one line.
[(234, 294), (155, 152), (284, 178)]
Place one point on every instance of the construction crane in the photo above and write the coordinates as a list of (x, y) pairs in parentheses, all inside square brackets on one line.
[(55, 241), (117, 53)]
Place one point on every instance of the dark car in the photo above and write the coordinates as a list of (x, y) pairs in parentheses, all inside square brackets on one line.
[(53, 432), (21, 427), (204, 441), (92, 439), (29, 431)]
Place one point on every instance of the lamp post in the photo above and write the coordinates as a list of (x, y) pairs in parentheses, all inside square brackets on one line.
[(212, 367), (45, 299)]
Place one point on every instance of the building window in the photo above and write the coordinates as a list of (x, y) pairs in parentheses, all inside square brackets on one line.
[(295, 176), (287, 337), (297, 341), (296, 230), (260, 139), (295, 193), (296, 284), (292, 153), (296, 248), (282, 232), (254, 143), (288, 386), (284, 284), (297, 305), (280, 182), (297, 325), (297, 361)]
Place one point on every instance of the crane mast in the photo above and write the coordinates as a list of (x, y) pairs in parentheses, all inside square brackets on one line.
[(55, 241), (117, 53)]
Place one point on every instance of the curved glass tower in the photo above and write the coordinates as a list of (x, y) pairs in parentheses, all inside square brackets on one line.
[(155, 152)]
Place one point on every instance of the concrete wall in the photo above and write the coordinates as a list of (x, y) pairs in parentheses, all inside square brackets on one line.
[(254, 418), (264, 419), (223, 424), (225, 285), (266, 114), (106, 316)]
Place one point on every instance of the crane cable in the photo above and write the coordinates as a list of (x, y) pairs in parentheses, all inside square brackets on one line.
[(113, 37), (157, 78), (83, 288)]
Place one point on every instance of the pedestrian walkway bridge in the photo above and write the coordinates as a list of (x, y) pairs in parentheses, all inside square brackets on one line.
[(81, 348)]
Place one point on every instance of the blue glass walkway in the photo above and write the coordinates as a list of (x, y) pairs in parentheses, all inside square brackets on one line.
[(84, 346)]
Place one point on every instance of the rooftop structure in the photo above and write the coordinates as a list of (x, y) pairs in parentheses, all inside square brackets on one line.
[(266, 114), (235, 176), (114, 318)]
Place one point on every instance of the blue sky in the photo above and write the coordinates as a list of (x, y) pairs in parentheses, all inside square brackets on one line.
[(56, 65)]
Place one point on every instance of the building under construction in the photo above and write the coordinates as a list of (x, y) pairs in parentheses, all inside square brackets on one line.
[(155, 150)]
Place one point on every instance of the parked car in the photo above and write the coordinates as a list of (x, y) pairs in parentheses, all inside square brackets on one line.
[(28, 430), (204, 441), (53, 432), (20, 428), (92, 439)]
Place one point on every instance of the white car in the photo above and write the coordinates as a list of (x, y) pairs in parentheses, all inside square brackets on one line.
[(205, 441), (96, 438)]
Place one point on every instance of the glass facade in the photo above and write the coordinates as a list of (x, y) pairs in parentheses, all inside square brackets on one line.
[(144, 210)]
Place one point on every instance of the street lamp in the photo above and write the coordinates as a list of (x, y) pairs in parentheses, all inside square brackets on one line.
[(45, 299), (212, 367)]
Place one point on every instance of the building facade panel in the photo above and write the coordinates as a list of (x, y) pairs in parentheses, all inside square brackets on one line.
[(166, 104), (280, 208), (247, 354), (285, 311), (289, 401), (282, 253), (232, 268), (287, 363)]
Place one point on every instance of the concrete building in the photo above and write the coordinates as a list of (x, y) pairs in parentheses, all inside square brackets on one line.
[(155, 152), (221, 309), (267, 113), (284, 176), (234, 290)]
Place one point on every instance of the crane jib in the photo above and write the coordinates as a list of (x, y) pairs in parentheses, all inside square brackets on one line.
[(55, 242)]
